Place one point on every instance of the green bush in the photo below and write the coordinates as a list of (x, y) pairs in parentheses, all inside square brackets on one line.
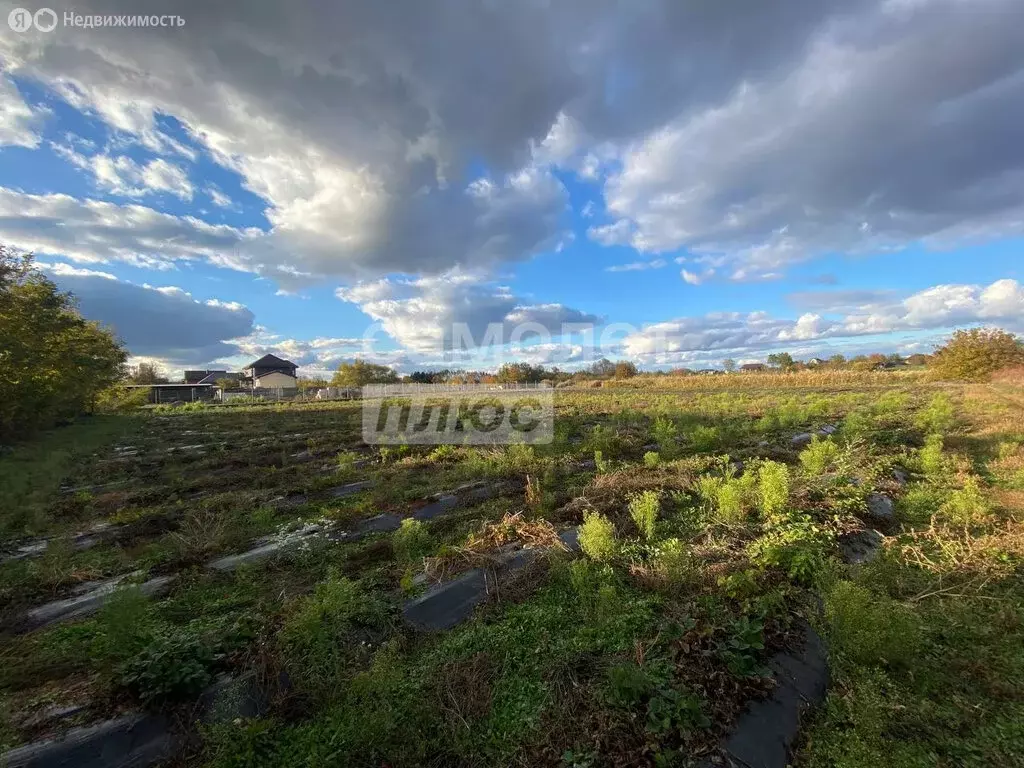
[(643, 508), (966, 506), (652, 459), (797, 547), (773, 488), (314, 638), (868, 628), (411, 541), (666, 435), (919, 503), (120, 399), (174, 665), (933, 460), (674, 560), (704, 438), (857, 425), (597, 537), (820, 456), (938, 416)]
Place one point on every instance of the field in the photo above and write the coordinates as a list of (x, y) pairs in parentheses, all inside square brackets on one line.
[(710, 540)]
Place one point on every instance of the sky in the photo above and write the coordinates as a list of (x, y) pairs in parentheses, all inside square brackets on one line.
[(458, 183)]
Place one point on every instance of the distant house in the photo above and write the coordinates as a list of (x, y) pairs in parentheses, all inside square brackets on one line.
[(815, 361), (271, 372), (708, 372), (752, 367)]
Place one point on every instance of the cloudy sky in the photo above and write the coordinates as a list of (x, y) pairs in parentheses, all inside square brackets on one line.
[(676, 181)]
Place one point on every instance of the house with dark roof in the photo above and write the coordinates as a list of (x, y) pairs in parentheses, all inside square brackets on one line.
[(752, 367), (271, 372)]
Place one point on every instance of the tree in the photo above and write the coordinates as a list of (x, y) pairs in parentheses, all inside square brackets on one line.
[(359, 373), (53, 362), (781, 360), (515, 373), (147, 373), (837, 361), (624, 369), (603, 367), (227, 383), (729, 364), (976, 353)]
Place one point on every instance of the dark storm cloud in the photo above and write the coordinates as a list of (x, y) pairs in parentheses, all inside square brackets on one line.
[(164, 323)]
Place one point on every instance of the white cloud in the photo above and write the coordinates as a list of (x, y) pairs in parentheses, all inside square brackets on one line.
[(638, 266), (456, 311), (940, 307), (218, 198), (19, 123), (91, 231), (616, 233)]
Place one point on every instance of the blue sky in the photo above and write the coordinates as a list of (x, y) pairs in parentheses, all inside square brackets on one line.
[(709, 185)]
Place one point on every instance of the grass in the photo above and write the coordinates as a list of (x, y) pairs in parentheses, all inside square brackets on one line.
[(706, 536)]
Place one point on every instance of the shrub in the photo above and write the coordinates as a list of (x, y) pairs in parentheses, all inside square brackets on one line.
[(870, 629), (121, 399), (173, 665), (411, 541), (798, 548), (665, 435), (643, 508), (597, 537), (857, 425), (919, 503), (652, 459), (773, 488), (313, 638), (733, 497), (966, 506), (939, 416), (704, 438), (976, 353), (820, 456), (674, 560), (933, 460)]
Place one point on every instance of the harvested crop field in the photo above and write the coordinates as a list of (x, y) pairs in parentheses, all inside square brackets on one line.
[(824, 575)]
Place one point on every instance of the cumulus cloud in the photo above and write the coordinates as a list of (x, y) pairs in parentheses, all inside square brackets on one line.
[(939, 307), (163, 323), (414, 138), (123, 176), (457, 311), (94, 231), (894, 124)]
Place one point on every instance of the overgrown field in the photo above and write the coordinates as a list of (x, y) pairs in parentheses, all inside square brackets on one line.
[(708, 536)]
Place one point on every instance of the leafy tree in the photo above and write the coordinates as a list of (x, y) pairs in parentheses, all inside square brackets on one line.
[(358, 373), (782, 360), (837, 361), (624, 369), (974, 354), (512, 373), (729, 364), (147, 373), (53, 363), (603, 367)]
